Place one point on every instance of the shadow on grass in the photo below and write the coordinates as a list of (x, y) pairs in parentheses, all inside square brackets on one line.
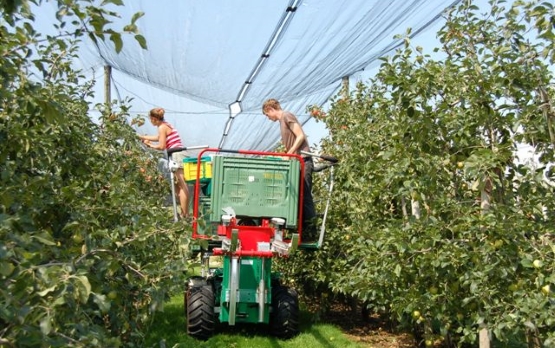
[(169, 330)]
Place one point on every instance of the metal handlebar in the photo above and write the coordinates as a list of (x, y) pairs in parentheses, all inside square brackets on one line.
[(179, 149), (330, 162), (322, 156)]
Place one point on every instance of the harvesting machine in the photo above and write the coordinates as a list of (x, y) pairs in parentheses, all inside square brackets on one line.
[(247, 209)]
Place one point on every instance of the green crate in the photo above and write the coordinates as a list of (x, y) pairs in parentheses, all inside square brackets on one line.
[(256, 187), (205, 226), (204, 205)]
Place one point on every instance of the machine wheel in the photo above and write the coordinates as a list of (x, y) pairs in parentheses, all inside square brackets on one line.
[(199, 304), (193, 282), (284, 318)]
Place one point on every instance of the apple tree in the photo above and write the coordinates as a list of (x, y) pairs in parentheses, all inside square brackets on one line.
[(434, 210), (87, 250)]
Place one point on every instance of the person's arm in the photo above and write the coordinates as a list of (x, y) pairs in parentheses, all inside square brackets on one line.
[(299, 137), (162, 135), (160, 138), (149, 137)]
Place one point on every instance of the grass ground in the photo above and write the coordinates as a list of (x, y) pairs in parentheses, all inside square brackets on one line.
[(169, 331), (339, 327)]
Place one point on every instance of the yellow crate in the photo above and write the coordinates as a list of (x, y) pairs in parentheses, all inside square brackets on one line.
[(190, 169)]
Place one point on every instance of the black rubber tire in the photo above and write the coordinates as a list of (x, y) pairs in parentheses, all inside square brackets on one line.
[(201, 320), (195, 281), (284, 317)]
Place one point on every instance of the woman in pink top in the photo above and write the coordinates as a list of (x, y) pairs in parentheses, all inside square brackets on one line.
[(168, 138)]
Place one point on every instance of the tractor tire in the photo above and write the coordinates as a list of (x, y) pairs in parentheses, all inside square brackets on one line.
[(201, 320), (193, 282), (284, 317)]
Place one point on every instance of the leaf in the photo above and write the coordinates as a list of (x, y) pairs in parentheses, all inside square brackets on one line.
[(71, 226), (102, 303), (475, 185), (131, 28), (50, 111), (46, 325), (93, 38), (6, 268), (115, 2), (86, 286), (397, 270), (527, 263), (204, 244), (141, 40), (43, 240), (136, 16), (116, 39), (46, 291)]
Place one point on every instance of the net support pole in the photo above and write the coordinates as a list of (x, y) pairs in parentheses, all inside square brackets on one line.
[(345, 87), (107, 85), (485, 198)]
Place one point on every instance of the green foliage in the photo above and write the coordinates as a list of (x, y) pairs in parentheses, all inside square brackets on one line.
[(87, 251), (423, 147)]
